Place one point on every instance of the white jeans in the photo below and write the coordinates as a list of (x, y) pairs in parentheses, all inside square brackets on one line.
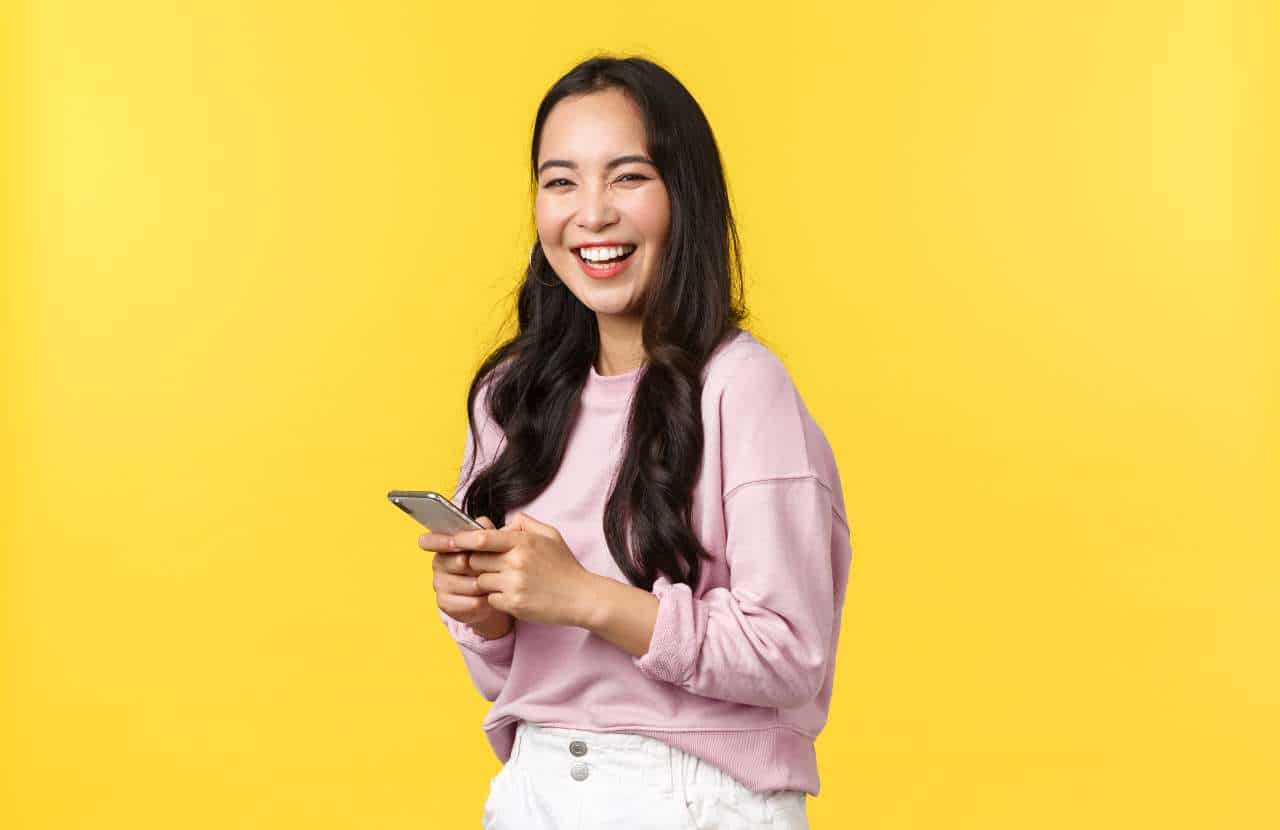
[(572, 779)]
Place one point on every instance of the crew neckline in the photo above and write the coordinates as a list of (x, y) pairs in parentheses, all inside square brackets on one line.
[(609, 389), (614, 390)]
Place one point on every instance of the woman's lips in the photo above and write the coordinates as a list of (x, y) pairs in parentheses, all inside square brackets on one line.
[(600, 273)]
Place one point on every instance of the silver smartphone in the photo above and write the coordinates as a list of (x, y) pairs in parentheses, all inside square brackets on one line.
[(433, 511)]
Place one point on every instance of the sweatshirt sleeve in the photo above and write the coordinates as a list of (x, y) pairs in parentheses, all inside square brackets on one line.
[(487, 661), (766, 639)]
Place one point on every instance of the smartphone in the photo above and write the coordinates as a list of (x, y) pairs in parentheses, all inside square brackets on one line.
[(433, 511)]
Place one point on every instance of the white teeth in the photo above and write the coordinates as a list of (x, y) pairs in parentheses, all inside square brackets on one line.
[(596, 254)]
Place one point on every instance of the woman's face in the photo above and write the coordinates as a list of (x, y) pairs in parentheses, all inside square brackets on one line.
[(582, 200)]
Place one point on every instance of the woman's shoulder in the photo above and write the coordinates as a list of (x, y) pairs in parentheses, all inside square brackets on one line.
[(744, 362), (766, 431)]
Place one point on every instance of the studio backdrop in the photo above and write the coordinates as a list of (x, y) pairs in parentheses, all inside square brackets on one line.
[(1018, 257)]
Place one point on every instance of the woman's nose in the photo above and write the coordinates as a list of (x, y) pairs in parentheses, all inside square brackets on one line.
[(596, 207)]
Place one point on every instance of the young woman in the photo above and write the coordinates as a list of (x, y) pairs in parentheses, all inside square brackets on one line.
[(654, 604)]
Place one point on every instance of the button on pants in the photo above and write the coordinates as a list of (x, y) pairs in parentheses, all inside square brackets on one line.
[(572, 779)]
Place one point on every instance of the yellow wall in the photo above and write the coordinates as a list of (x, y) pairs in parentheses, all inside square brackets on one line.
[(1015, 255)]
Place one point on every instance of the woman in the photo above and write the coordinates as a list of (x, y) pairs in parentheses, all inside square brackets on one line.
[(656, 618)]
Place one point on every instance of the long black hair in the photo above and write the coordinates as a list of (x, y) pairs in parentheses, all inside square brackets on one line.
[(692, 305)]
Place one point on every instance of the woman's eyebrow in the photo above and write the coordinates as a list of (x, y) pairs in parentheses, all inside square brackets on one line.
[(574, 166)]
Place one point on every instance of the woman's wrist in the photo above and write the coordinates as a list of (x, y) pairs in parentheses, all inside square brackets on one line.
[(620, 613), (499, 626)]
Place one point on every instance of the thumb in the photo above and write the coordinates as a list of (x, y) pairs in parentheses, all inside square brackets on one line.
[(486, 522), (525, 522)]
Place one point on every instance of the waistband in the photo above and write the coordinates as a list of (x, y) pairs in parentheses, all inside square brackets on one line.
[(617, 757)]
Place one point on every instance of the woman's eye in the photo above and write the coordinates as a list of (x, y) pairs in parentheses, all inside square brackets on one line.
[(623, 177)]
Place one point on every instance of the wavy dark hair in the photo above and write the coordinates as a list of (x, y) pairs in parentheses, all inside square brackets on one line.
[(692, 305)]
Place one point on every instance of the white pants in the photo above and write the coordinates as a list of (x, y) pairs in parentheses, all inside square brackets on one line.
[(572, 779)]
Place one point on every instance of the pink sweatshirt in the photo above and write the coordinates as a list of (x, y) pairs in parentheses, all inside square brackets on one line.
[(739, 670)]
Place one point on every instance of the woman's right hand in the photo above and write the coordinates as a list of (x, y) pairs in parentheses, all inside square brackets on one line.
[(456, 591)]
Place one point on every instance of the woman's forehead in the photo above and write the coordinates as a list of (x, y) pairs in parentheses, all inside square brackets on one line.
[(592, 130)]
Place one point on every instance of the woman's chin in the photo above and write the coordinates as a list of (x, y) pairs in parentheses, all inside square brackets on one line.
[(615, 300)]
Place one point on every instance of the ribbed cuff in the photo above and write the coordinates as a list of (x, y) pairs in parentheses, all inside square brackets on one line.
[(677, 634), (498, 651)]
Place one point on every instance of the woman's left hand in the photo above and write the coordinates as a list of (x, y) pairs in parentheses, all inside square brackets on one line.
[(529, 571)]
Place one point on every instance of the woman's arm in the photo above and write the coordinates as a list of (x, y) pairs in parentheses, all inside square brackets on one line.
[(620, 613), (764, 640)]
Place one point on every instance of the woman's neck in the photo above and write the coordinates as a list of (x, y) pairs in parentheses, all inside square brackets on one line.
[(621, 344)]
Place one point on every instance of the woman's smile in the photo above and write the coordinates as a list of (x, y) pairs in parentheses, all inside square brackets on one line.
[(617, 259)]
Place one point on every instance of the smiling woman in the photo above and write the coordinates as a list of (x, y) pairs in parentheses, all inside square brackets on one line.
[(603, 213), (654, 603)]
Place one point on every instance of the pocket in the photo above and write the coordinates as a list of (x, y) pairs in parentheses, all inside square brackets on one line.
[(493, 802), (690, 809), (696, 802), (786, 809), (493, 782)]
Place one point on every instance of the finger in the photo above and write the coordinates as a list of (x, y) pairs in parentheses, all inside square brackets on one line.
[(463, 608), (469, 586), (454, 563), (526, 523), (488, 562), (438, 542), (490, 540), (485, 521)]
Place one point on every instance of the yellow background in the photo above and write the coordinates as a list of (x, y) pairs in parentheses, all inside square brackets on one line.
[(1017, 256)]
